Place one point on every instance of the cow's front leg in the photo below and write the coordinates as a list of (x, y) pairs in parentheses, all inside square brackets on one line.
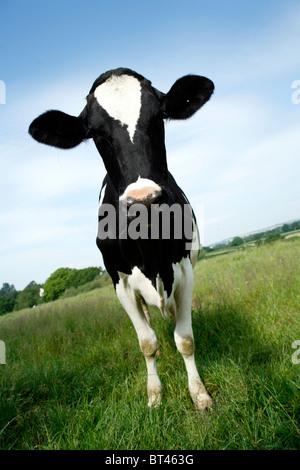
[(146, 336), (184, 338)]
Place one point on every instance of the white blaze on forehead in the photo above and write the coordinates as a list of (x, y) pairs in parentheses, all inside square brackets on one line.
[(120, 96)]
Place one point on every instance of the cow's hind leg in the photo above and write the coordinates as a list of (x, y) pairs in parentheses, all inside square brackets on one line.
[(184, 337), (147, 339)]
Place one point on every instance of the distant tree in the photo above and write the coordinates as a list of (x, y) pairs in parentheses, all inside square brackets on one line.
[(7, 304), (56, 284), (285, 228), (79, 277), (28, 297), (7, 289), (237, 241), (295, 225), (272, 237), (65, 278), (254, 237), (8, 296)]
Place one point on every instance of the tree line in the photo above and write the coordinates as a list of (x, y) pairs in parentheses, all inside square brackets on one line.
[(35, 294), (266, 236)]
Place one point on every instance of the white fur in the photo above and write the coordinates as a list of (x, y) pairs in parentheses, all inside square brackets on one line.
[(102, 196), (195, 245), (120, 96), (137, 284), (129, 298), (141, 183), (130, 289)]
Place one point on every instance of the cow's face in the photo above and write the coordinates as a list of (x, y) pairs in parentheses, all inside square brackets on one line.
[(125, 117)]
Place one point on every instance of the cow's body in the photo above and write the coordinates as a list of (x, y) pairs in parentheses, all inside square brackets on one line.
[(124, 116)]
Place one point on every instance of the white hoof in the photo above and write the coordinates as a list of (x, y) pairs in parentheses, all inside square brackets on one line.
[(154, 400), (202, 401)]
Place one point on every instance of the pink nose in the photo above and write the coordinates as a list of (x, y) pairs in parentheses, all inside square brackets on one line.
[(142, 196), (142, 191)]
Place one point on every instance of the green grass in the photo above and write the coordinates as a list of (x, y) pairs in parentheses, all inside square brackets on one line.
[(76, 379)]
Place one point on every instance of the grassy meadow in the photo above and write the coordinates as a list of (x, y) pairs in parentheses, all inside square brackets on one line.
[(75, 378)]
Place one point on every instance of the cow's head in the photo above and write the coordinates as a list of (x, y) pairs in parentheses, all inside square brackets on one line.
[(124, 115)]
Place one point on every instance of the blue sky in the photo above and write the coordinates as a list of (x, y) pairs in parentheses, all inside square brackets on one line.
[(237, 159)]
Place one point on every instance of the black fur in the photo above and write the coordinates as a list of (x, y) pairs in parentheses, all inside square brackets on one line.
[(58, 129), (186, 96)]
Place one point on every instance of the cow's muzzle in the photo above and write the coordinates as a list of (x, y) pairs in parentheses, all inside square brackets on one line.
[(143, 191)]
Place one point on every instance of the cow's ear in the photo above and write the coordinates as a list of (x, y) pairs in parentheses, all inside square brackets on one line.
[(59, 129), (186, 96)]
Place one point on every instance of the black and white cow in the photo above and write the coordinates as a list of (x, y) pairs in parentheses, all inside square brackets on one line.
[(124, 115)]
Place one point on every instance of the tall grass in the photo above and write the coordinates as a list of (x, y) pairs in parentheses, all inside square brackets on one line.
[(76, 379)]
